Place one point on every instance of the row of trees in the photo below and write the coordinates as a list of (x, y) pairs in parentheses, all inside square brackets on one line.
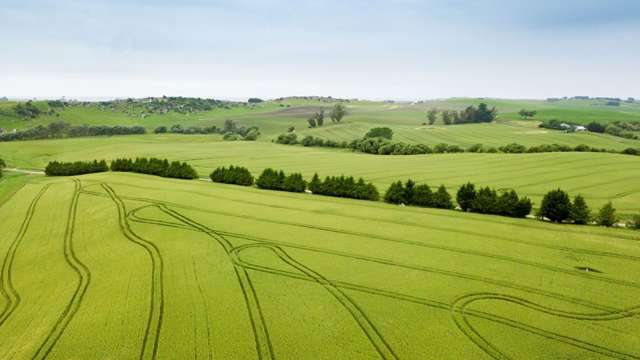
[(380, 145), (236, 175), (344, 186), (232, 130), (557, 207), (469, 115), (61, 129), (418, 195), (487, 201), (56, 168), (154, 166), (271, 179)]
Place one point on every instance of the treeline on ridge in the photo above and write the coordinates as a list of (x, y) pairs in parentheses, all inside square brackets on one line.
[(61, 129), (231, 130), (384, 146)]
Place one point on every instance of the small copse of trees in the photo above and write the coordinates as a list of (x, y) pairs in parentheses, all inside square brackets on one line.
[(236, 175), (344, 186), (277, 180), (418, 195), (487, 201)]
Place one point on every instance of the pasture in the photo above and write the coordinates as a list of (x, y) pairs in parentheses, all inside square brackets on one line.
[(599, 177), (131, 266)]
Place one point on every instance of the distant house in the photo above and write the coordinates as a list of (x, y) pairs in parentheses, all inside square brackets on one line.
[(580, 128), (565, 126)]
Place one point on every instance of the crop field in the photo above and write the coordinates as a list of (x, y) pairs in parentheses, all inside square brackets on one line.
[(131, 266), (599, 177)]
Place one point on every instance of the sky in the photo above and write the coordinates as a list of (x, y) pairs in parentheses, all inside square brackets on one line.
[(374, 49)]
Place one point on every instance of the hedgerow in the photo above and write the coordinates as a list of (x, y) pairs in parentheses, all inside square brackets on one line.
[(418, 195), (487, 201), (55, 168), (61, 129), (154, 166)]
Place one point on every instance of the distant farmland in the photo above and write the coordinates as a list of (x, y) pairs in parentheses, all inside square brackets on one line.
[(132, 266)]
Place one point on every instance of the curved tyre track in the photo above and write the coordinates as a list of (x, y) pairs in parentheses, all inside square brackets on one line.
[(7, 289), (84, 279), (372, 333), (156, 307)]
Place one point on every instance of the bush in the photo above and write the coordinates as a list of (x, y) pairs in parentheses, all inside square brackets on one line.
[(634, 223), (154, 166), (607, 215), (2, 166), (160, 130), (555, 206), (580, 213), (56, 168), (236, 175), (287, 139), (379, 132), (595, 127), (442, 199)]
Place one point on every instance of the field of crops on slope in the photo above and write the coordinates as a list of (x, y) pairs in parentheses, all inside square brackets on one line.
[(131, 266), (600, 177)]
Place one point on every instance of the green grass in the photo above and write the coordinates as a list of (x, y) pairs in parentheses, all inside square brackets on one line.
[(600, 177), (133, 266)]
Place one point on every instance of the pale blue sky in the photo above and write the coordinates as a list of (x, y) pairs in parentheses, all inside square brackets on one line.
[(397, 49)]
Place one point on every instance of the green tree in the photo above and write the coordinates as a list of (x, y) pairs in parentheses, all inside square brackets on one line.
[(432, 115), (580, 213), (466, 195), (337, 113), (315, 184), (442, 199), (395, 194), (634, 223), (382, 132), (607, 215), (555, 206), (312, 121), (423, 196), (447, 117)]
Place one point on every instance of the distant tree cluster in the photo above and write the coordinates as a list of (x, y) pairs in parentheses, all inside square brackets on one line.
[(55, 168), (337, 113), (162, 105), (526, 114), (317, 142), (60, 129), (627, 130), (557, 207), (271, 179), (418, 195), (470, 115), (487, 201), (154, 166), (27, 110), (344, 186), (236, 175), (254, 100), (287, 139), (232, 130)]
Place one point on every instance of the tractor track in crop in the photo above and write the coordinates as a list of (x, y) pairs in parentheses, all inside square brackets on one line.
[(456, 308), (84, 279), (151, 339), (7, 288)]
